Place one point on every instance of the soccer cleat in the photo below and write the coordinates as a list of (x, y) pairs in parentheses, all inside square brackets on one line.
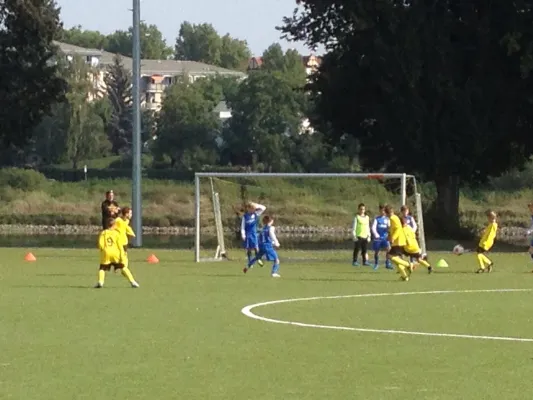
[(480, 271), (366, 264), (260, 263), (388, 265), (430, 270), (134, 285), (490, 267), (404, 278), (375, 267), (355, 264), (99, 285), (276, 276)]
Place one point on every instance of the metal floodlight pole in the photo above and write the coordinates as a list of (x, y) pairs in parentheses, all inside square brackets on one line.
[(136, 136)]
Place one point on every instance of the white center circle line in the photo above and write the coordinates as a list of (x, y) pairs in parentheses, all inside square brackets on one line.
[(248, 312)]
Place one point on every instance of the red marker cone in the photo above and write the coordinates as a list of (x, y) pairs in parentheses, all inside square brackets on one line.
[(152, 259), (30, 257)]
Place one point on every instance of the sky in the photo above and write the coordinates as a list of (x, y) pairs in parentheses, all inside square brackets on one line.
[(250, 20)]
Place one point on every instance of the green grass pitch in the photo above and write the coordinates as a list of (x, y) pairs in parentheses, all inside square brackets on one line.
[(182, 334)]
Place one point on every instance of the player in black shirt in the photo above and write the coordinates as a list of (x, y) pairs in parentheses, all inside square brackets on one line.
[(110, 208)]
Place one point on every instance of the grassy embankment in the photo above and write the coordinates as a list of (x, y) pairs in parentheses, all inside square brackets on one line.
[(27, 197)]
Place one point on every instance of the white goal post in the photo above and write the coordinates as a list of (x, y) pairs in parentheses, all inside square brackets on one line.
[(220, 252)]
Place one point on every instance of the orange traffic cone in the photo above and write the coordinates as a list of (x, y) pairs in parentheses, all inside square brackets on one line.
[(152, 259), (30, 257)]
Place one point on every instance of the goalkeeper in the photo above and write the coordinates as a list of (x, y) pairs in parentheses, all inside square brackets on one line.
[(249, 222)]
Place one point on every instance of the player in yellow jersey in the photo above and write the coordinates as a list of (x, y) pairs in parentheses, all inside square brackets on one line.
[(111, 249), (122, 225), (397, 243), (412, 248), (486, 242)]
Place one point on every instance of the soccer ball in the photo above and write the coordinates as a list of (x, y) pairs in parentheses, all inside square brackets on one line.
[(458, 250)]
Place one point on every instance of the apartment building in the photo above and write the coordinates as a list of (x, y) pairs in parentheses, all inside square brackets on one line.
[(156, 75)]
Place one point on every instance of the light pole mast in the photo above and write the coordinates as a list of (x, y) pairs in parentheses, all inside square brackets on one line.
[(136, 136)]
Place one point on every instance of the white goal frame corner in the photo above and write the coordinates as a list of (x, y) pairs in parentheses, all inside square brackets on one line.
[(220, 252)]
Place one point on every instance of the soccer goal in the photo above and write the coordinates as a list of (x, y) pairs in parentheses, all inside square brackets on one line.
[(308, 208)]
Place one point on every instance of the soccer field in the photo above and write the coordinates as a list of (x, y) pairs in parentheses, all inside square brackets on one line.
[(182, 335)]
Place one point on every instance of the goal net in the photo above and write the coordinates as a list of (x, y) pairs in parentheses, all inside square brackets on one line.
[(313, 212)]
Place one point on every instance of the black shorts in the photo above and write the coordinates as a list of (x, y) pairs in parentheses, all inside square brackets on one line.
[(396, 251), (412, 255), (107, 267)]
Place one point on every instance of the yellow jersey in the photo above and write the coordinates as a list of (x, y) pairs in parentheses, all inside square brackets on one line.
[(411, 246), (123, 227), (110, 246), (489, 236), (396, 233)]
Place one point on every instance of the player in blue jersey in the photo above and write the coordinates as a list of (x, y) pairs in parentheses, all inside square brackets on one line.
[(380, 233), (267, 244), (249, 226), (530, 231)]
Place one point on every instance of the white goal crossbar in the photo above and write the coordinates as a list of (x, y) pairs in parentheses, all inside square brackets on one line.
[(220, 253)]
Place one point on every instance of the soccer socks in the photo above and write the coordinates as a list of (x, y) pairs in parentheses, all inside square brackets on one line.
[(424, 263), (376, 258), (402, 265), (483, 260), (101, 277), (127, 274), (275, 268)]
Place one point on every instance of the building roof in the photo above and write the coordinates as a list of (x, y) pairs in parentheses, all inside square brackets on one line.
[(70, 49), (151, 67)]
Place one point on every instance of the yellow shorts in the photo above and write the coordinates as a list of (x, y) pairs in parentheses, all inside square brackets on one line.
[(108, 257)]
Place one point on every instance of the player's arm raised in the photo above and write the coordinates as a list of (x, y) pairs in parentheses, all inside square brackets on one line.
[(259, 208), (273, 237)]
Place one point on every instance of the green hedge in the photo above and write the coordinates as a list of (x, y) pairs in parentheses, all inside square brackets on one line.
[(164, 221)]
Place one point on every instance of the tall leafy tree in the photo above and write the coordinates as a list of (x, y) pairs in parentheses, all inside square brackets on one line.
[(30, 83), (74, 131), (266, 114), (187, 126), (78, 36), (439, 89), (289, 64), (153, 45), (202, 43), (119, 92)]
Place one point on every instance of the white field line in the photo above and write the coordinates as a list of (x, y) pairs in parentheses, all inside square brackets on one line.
[(248, 312)]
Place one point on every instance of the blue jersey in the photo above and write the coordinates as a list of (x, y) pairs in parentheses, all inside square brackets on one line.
[(249, 224), (265, 239), (381, 225)]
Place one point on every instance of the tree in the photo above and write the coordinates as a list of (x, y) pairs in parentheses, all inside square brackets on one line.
[(77, 36), (202, 43), (153, 45), (266, 114), (289, 64), (187, 126), (442, 90), (30, 83), (74, 131), (119, 92)]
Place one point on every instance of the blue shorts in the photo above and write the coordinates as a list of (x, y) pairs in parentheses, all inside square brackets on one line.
[(268, 252), (380, 244), (251, 242)]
